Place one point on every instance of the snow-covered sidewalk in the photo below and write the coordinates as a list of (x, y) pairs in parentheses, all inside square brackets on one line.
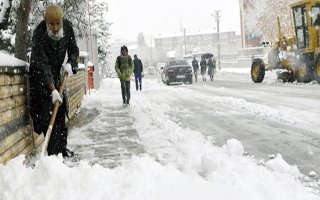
[(138, 152)]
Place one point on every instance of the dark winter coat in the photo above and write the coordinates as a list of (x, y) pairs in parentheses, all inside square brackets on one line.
[(203, 66), (45, 68), (138, 67), (195, 65), (211, 66)]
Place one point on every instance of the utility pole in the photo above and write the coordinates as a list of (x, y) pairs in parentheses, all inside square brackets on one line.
[(90, 31), (151, 51), (184, 38), (217, 18), (90, 37), (184, 41)]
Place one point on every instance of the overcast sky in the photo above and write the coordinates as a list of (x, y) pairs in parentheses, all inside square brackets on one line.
[(155, 17)]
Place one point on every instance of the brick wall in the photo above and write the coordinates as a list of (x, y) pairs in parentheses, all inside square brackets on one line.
[(16, 132)]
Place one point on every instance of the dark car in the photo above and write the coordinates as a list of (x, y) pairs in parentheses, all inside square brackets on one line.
[(176, 71)]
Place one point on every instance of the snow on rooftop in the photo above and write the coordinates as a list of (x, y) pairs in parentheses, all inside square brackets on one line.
[(83, 54), (192, 33), (81, 66), (89, 63)]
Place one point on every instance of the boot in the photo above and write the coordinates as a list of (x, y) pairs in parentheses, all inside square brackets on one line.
[(66, 153)]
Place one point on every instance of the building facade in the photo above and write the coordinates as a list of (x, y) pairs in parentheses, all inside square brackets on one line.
[(249, 9), (181, 45)]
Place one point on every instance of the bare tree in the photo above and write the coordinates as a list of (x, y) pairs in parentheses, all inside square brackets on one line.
[(5, 6), (22, 35), (140, 40)]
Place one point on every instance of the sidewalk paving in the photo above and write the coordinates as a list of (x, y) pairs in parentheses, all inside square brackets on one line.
[(109, 145)]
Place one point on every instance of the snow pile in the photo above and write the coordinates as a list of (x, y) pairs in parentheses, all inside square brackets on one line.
[(81, 66), (234, 148), (143, 178), (279, 165), (178, 163), (237, 71), (243, 105)]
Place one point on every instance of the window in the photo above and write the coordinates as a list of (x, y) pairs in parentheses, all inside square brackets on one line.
[(315, 16), (177, 62), (300, 20)]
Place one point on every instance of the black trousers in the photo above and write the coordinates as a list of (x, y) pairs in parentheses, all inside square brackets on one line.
[(40, 110), (59, 134), (125, 91), (195, 72)]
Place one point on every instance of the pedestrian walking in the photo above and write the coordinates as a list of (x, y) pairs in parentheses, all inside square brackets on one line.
[(138, 70), (195, 67), (52, 40), (124, 68), (203, 66), (211, 67)]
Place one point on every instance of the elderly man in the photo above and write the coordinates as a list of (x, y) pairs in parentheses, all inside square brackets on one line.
[(52, 40)]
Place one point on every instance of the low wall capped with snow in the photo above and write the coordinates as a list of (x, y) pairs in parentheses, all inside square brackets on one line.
[(15, 128), (16, 131)]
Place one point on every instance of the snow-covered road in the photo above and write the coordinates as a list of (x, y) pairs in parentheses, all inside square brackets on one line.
[(267, 118)]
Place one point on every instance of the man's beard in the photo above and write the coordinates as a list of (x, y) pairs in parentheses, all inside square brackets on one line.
[(56, 36)]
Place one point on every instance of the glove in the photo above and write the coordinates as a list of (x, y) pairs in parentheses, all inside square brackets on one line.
[(68, 69), (56, 96)]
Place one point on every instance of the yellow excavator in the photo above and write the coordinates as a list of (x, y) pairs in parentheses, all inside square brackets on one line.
[(298, 57)]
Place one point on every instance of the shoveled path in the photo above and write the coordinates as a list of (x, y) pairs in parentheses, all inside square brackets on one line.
[(110, 144)]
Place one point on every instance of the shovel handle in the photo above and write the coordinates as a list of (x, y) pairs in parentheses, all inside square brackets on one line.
[(54, 114)]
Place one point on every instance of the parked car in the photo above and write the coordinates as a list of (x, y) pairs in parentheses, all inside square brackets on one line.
[(176, 71)]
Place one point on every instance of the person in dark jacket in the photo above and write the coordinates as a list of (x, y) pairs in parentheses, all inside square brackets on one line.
[(203, 66), (211, 68), (52, 39), (138, 70), (195, 66), (124, 69)]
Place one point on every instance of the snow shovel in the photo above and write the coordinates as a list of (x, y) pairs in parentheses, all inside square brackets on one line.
[(53, 116)]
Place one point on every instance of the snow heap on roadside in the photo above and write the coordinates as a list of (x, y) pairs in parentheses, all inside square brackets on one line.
[(226, 174), (179, 163)]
